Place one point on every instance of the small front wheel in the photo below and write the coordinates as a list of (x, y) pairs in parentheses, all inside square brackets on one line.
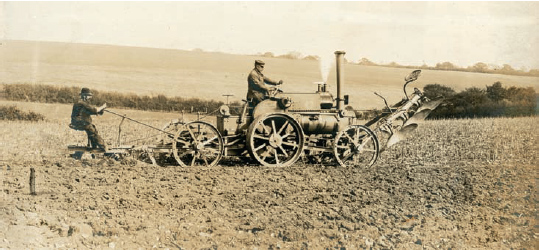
[(198, 144), (356, 146)]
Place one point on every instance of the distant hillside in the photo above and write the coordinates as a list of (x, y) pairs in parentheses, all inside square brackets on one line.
[(109, 55), (208, 75)]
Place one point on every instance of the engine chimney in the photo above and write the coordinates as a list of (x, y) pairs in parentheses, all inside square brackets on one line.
[(340, 74)]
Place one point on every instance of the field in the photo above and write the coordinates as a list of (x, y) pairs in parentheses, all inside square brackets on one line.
[(456, 184), (210, 75), (459, 184)]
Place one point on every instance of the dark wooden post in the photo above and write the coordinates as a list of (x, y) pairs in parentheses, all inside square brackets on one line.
[(32, 181)]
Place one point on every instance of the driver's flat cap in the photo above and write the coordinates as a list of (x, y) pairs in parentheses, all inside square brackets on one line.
[(259, 62)]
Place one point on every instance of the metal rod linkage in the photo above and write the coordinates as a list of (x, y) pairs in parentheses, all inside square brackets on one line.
[(123, 116)]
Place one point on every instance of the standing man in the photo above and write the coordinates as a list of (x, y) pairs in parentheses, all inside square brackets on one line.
[(81, 119), (257, 89)]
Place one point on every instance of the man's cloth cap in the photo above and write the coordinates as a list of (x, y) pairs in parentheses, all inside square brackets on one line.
[(85, 91), (259, 62)]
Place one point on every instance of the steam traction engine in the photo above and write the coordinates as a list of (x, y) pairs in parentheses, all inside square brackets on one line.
[(278, 130), (283, 128)]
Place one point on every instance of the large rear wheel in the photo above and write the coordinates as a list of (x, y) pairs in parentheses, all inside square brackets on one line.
[(275, 140)]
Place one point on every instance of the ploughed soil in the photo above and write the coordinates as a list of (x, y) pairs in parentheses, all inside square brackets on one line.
[(455, 184), (398, 203)]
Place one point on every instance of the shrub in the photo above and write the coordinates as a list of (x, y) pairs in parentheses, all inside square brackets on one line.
[(12, 113), (494, 101)]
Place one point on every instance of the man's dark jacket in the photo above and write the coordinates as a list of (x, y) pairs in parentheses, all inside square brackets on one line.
[(257, 89), (81, 114)]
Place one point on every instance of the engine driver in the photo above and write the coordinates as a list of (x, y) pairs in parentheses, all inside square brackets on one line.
[(257, 88)]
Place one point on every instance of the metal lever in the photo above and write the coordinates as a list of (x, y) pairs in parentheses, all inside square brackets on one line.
[(384, 101)]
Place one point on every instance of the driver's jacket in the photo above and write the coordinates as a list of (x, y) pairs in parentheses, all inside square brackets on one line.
[(257, 89), (81, 114)]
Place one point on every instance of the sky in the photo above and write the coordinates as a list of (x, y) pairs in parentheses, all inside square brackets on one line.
[(409, 33)]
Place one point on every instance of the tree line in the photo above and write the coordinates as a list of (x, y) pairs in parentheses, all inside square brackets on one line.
[(54, 94), (492, 101), (479, 67)]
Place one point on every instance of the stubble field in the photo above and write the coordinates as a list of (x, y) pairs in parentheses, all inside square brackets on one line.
[(458, 184)]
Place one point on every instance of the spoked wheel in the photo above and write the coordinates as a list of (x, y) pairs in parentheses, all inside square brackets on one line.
[(275, 140), (198, 144), (356, 146)]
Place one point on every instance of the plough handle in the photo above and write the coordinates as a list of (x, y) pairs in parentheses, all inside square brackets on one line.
[(125, 117)]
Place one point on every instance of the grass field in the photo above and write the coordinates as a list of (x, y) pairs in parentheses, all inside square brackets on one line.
[(210, 75)]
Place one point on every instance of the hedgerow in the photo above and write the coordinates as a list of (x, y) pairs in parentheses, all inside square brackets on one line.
[(54, 94)]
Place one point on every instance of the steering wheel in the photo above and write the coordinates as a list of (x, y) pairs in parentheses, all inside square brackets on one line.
[(274, 91)]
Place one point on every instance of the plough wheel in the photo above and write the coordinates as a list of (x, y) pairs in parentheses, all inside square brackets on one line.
[(356, 146), (275, 140), (197, 144)]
